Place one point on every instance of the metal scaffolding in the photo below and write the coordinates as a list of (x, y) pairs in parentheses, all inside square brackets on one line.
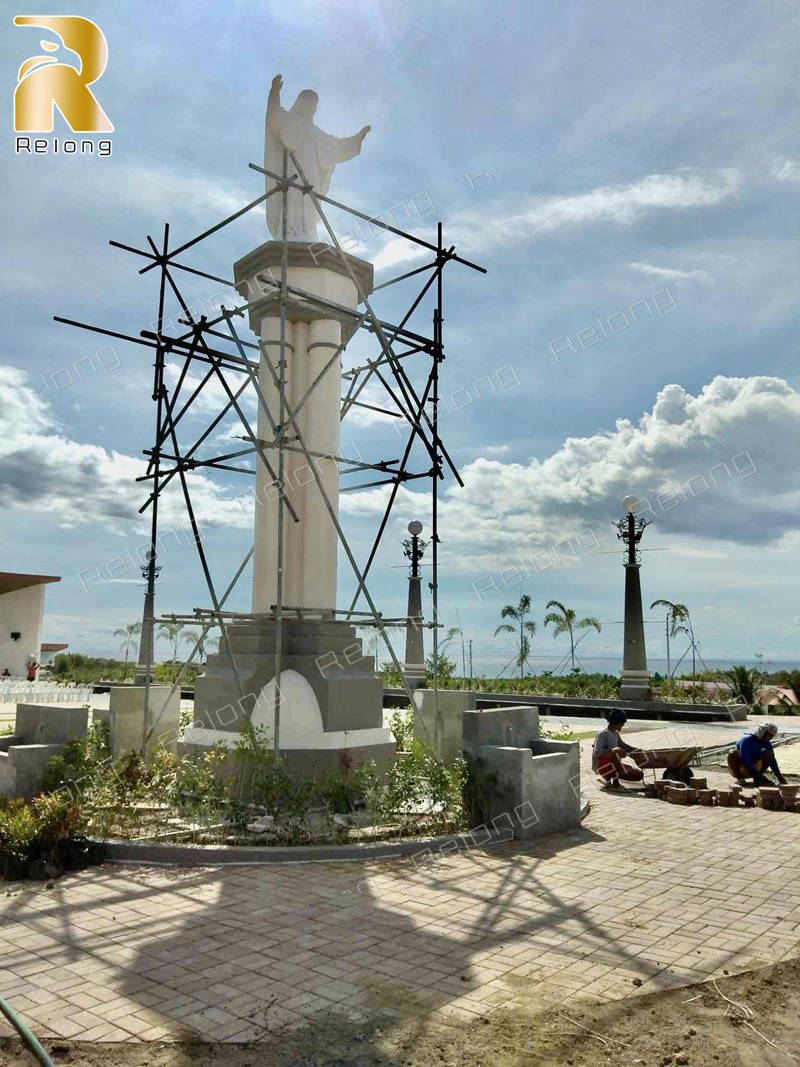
[(216, 347)]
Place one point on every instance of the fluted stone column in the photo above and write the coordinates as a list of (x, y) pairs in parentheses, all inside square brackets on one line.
[(313, 334)]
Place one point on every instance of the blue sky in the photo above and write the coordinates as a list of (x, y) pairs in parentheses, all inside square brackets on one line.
[(632, 164)]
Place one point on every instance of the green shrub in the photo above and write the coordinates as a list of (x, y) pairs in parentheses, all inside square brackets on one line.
[(132, 796), (401, 723), (417, 783), (29, 830), (78, 760), (56, 818), (195, 784), (562, 732), (85, 670), (167, 673), (260, 777), (584, 686), (744, 681), (341, 792), (18, 828)]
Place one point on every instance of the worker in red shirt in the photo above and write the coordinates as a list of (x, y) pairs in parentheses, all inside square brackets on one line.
[(609, 750), (33, 667)]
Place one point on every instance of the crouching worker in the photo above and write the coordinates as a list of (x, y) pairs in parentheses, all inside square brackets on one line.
[(754, 755), (609, 750)]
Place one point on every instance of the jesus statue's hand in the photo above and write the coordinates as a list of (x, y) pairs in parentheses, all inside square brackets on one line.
[(277, 84), (362, 133)]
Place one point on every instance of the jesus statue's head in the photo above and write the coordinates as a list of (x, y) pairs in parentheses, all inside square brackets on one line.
[(306, 103)]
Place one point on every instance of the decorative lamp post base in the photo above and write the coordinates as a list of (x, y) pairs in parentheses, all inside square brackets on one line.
[(414, 674), (635, 685)]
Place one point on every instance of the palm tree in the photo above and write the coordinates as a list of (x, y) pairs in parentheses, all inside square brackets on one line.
[(130, 640), (172, 632), (452, 634), (744, 681), (676, 614), (440, 666), (521, 630), (564, 622), (191, 637), (458, 631)]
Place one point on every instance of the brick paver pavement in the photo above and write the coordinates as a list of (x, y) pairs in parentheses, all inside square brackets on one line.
[(644, 896)]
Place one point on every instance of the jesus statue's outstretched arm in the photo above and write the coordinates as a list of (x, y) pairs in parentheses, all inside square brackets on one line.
[(347, 147)]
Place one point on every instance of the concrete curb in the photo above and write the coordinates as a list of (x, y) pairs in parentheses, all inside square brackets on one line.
[(212, 855), (552, 705)]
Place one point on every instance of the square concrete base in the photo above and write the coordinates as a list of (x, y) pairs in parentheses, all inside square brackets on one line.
[(125, 717), (531, 786), (635, 684), (446, 734), (22, 767), (326, 654), (329, 701)]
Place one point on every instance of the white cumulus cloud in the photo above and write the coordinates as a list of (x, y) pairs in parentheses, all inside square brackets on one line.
[(42, 470), (711, 467)]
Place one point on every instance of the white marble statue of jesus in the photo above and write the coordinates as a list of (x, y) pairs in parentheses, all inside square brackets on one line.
[(317, 153)]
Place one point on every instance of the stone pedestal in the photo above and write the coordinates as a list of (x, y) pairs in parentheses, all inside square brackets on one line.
[(634, 675), (330, 700)]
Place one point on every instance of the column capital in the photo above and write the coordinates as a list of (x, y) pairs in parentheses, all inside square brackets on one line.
[(337, 280)]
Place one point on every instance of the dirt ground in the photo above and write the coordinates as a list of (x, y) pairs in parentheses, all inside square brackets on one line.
[(694, 1026)]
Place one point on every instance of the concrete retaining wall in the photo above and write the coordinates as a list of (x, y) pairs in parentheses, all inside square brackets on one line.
[(40, 733), (532, 782)]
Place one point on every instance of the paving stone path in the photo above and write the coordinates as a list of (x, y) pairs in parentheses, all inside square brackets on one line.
[(644, 896)]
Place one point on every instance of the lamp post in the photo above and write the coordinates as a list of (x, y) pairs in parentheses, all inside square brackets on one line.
[(414, 666), (635, 675), (144, 665)]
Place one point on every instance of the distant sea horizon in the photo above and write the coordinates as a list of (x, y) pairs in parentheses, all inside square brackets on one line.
[(613, 664)]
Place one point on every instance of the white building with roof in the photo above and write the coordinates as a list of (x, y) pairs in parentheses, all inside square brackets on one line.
[(21, 612)]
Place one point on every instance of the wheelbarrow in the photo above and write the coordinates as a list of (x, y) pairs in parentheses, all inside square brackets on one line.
[(667, 758)]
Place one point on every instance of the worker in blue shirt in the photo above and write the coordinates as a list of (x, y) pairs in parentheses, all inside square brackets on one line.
[(754, 755)]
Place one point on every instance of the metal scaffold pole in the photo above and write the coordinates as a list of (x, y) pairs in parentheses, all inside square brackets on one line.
[(280, 437), (438, 356)]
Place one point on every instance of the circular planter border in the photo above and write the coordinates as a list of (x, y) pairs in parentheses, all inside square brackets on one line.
[(118, 851), (174, 855)]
